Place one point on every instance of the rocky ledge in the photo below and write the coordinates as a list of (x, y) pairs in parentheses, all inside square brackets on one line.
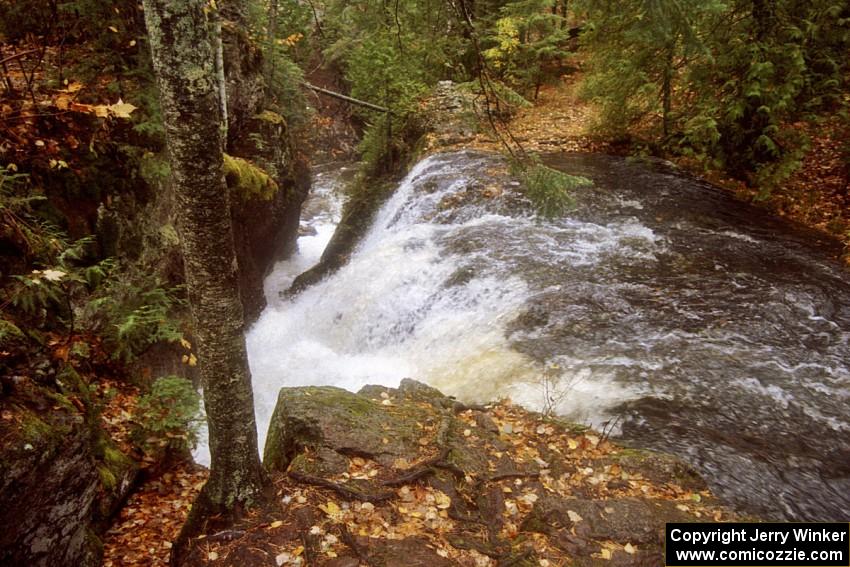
[(411, 477)]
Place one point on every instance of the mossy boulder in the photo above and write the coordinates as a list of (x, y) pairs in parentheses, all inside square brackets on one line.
[(246, 180), (332, 422)]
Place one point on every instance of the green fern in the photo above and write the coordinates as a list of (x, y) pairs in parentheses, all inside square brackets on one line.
[(168, 417), (132, 313)]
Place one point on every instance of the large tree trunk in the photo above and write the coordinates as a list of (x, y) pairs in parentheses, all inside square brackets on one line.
[(183, 58)]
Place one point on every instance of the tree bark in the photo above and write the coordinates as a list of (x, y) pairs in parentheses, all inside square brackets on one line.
[(235, 10), (184, 62), (667, 87)]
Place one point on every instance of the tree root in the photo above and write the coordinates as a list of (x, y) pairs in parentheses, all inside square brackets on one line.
[(344, 491), (511, 476), (348, 539), (493, 551), (419, 471)]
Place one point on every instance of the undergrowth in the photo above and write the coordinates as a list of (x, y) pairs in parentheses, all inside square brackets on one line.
[(168, 417)]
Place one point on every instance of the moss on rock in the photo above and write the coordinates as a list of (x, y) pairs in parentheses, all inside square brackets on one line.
[(248, 180), (271, 117), (331, 418)]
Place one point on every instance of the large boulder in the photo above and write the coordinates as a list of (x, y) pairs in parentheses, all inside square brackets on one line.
[(336, 424)]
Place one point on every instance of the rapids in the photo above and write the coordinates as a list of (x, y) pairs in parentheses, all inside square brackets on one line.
[(659, 308)]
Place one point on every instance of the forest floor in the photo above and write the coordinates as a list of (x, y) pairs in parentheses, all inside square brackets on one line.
[(151, 518), (589, 502)]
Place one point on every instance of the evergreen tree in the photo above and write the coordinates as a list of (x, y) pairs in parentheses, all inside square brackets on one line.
[(722, 80), (525, 42)]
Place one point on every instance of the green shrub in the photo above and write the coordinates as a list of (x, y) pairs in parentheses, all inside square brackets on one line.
[(167, 418)]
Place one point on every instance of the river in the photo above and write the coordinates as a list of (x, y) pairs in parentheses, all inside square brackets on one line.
[(658, 308)]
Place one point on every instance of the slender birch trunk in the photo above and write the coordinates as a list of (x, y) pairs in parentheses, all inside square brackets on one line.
[(184, 61)]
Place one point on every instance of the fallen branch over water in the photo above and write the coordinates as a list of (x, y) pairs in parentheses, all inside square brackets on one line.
[(347, 98)]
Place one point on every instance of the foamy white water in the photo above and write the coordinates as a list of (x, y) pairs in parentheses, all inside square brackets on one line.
[(393, 311), (389, 313), (708, 328)]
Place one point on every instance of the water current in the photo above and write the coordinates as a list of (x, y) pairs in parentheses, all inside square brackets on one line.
[(658, 307)]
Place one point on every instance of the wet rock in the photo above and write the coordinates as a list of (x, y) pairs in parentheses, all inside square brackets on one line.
[(417, 391), (626, 520), (657, 467), (363, 203), (307, 230)]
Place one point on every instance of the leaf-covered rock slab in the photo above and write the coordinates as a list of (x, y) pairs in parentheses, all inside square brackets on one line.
[(407, 475), (626, 520)]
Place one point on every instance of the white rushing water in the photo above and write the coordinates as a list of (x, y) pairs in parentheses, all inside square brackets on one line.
[(708, 328), (389, 314)]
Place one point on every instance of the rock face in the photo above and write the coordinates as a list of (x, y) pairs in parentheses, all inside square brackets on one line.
[(265, 226), (48, 490), (59, 482), (427, 480)]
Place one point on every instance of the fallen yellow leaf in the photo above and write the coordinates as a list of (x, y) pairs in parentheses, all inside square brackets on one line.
[(331, 509), (121, 109)]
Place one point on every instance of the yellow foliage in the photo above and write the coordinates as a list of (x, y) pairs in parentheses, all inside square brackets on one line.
[(272, 117), (507, 34)]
